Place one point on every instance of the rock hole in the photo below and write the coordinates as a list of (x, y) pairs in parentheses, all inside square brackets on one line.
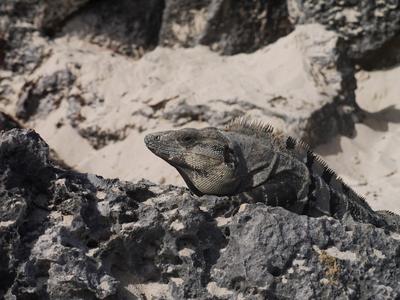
[(246, 219), (274, 270), (237, 283), (186, 242), (92, 244), (140, 194), (227, 231)]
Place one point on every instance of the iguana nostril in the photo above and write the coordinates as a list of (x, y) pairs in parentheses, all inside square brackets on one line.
[(156, 137)]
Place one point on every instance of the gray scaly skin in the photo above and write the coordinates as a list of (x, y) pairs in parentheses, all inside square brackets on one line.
[(252, 162)]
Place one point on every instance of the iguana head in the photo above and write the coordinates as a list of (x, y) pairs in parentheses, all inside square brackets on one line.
[(204, 158)]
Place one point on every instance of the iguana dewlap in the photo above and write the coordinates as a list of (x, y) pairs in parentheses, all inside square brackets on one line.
[(256, 164)]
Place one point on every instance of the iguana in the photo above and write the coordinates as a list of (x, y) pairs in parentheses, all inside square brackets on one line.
[(255, 163)]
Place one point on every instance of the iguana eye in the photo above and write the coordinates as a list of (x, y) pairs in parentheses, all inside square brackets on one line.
[(187, 139)]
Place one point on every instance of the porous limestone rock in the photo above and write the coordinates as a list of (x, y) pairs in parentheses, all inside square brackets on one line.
[(367, 26), (68, 235), (227, 26)]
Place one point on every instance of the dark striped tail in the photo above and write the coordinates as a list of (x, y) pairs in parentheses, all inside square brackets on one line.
[(392, 219)]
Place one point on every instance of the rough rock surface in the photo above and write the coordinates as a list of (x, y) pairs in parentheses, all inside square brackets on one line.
[(80, 236), (41, 96), (45, 15), (366, 25), (386, 57), (135, 27), (22, 24), (227, 26), (130, 28), (7, 122)]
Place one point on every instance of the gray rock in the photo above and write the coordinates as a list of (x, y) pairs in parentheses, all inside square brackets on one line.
[(184, 21), (23, 50), (287, 256), (226, 26), (382, 58), (367, 26), (43, 95), (22, 24), (135, 27), (7, 122), (66, 235), (50, 14), (45, 15), (129, 27)]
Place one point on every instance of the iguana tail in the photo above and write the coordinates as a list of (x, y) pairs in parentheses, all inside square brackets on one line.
[(392, 219)]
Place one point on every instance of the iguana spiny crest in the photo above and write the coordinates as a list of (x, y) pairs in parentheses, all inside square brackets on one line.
[(252, 161)]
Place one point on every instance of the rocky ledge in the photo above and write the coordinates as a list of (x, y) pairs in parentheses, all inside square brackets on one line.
[(67, 235)]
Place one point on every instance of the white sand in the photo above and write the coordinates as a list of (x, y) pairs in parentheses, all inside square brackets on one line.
[(370, 162)]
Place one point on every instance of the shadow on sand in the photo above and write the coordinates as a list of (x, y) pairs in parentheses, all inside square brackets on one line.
[(378, 121)]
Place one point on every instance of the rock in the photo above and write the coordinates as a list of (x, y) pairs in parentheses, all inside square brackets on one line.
[(70, 235), (134, 27), (44, 95), (7, 122), (129, 28), (366, 26), (35, 162), (325, 259), (51, 13), (226, 26), (185, 21), (385, 57), (24, 48), (44, 15), (22, 23)]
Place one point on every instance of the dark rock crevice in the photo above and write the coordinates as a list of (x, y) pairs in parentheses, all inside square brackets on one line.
[(234, 27), (386, 57), (130, 28)]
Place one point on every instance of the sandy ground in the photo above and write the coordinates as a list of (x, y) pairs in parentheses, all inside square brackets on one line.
[(370, 162)]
